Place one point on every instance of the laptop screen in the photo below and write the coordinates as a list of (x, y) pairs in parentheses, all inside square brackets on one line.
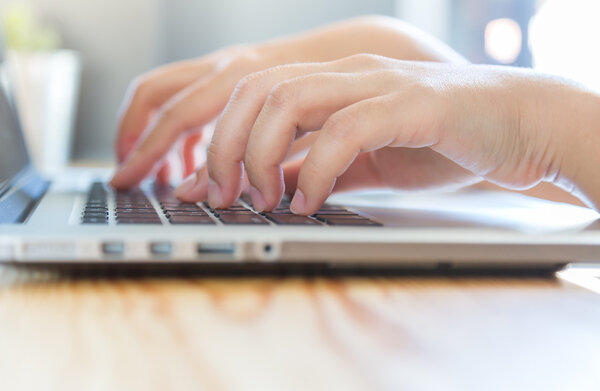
[(13, 153)]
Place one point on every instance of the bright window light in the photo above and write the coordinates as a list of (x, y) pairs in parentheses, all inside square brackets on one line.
[(563, 39), (503, 40)]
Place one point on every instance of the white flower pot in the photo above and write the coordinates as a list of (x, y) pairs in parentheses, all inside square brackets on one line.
[(46, 86)]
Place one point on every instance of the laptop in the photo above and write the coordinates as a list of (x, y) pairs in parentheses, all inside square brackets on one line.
[(76, 219)]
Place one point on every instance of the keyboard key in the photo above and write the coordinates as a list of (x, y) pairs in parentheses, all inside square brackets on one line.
[(141, 216), (234, 212), (243, 219), (237, 205), (94, 216), (198, 212), (324, 217), (327, 207), (287, 219), (136, 210), (139, 221), (95, 204), (352, 222), (334, 213), (179, 205), (191, 220), (281, 211), (135, 206), (95, 210), (182, 207), (93, 220)]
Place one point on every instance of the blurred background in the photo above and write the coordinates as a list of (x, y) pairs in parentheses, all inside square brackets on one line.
[(119, 39)]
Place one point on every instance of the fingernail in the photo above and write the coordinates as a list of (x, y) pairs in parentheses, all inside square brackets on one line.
[(298, 205), (215, 195), (186, 186), (258, 202)]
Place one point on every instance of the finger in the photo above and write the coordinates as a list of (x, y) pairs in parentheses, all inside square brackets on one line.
[(228, 145), (149, 93), (194, 106), (163, 175), (397, 168), (361, 174), (188, 153), (301, 104), (301, 146), (389, 120), (194, 187)]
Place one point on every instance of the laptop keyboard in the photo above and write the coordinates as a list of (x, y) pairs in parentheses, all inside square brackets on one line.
[(134, 207), (95, 210)]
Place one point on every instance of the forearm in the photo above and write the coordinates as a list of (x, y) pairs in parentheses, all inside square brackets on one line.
[(379, 35), (583, 163), (574, 116)]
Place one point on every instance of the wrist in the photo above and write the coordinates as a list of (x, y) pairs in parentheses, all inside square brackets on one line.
[(576, 116)]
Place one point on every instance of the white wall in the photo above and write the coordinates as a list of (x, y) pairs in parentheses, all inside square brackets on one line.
[(432, 16), (122, 38), (195, 27), (116, 41)]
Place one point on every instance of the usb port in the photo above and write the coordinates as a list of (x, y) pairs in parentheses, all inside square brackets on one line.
[(216, 248), (113, 248), (161, 248)]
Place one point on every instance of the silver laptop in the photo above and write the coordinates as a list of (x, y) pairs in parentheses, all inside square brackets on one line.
[(76, 219)]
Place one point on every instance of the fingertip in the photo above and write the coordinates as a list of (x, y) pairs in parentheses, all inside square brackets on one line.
[(119, 182), (128, 174), (186, 186), (215, 194), (298, 204), (192, 189), (258, 201)]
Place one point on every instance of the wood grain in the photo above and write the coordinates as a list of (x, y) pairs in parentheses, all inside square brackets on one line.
[(296, 334)]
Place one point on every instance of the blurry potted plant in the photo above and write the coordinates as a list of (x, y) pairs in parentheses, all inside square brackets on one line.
[(45, 80)]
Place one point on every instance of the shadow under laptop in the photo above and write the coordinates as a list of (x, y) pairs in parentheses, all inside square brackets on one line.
[(39, 273)]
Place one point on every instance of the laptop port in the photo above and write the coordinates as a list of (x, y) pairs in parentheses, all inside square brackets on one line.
[(113, 248), (216, 248), (161, 248)]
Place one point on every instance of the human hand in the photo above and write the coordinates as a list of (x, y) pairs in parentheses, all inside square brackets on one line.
[(384, 123), (175, 102)]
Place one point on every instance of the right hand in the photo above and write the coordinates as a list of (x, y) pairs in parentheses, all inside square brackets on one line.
[(177, 100)]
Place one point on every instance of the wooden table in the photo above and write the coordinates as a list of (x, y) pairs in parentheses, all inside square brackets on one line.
[(399, 333)]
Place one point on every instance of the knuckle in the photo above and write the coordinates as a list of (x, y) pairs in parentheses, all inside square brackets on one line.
[(309, 172), (253, 161), (240, 58), (339, 125), (282, 95), (247, 85), (168, 116), (365, 60), (141, 88), (212, 153), (212, 159)]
